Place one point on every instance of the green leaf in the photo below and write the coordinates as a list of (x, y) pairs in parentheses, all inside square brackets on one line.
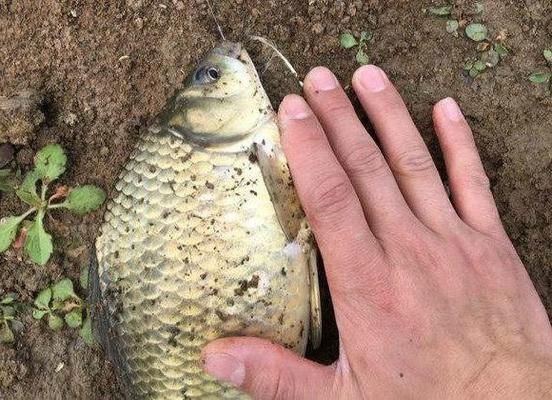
[(86, 332), (480, 66), (548, 55), (8, 311), (441, 11), (50, 162), (28, 198), (42, 301), (452, 26), (362, 58), (9, 299), (83, 278), (27, 190), (8, 231), (365, 36), (55, 322), (39, 314), (468, 65), (347, 41), (74, 319), (502, 50), (38, 244), (474, 72), (63, 290), (6, 335), (477, 32), (477, 8), (491, 58), (540, 77), (83, 199)]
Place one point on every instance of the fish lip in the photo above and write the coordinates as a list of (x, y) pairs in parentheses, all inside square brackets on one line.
[(229, 49)]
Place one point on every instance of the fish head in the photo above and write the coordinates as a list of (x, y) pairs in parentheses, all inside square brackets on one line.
[(222, 102)]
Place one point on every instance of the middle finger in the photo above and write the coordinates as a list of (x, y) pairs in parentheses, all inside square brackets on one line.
[(404, 148), (357, 152)]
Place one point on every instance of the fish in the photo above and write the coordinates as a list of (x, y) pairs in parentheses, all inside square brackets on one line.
[(204, 237)]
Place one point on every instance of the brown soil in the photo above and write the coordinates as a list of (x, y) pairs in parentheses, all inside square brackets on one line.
[(95, 101)]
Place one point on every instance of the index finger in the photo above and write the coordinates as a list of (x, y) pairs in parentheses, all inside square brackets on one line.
[(329, 199)]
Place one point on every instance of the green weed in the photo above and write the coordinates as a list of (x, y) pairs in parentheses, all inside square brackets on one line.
[(34, 190)]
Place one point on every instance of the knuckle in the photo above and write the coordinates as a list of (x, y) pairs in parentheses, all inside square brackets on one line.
[(308, 134), (330, 197), (336, 107), (413, 162), (478, 180), (364, 160)]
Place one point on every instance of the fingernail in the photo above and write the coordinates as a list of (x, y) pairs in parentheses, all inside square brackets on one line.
[(451, 110), (322, 79), (225, 368), (373, 78), (295, 107)]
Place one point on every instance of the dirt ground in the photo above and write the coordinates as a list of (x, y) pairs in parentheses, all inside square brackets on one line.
[(104, 69)]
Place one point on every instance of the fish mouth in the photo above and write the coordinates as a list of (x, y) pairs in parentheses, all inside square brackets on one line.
[(229, 49)]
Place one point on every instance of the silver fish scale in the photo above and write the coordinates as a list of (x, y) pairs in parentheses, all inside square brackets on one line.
[(191, 251)]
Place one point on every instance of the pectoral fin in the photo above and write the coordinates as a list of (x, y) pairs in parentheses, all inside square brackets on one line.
[(279, 183), (316, 309)]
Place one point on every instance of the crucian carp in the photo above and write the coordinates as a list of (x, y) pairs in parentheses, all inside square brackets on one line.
[(204, 238)]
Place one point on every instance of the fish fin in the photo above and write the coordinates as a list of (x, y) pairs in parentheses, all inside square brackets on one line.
[(102, 326), (278, 181), (315, 333)]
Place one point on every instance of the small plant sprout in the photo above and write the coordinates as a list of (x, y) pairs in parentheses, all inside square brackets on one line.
[(543, 77), (349, 41), (492, 52), (452, 27), (477, 32), (548, 56), (61, 306), (440, 11), (49, 164), (8, 311)]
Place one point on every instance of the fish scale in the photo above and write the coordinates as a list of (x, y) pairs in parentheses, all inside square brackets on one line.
[(178, 212)]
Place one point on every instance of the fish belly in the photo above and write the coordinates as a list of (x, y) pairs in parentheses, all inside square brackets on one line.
[(192, 251)]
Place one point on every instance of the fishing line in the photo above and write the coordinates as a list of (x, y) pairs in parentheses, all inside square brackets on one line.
[(263, 41), (268, 43), (212, 11)]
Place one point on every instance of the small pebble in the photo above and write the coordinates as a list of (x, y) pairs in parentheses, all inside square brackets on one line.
[(70, 119)]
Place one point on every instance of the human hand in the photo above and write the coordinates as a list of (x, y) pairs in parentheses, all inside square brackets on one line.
[(431, 299)]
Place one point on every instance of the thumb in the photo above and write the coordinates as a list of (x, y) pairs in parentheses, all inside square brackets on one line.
[(266, 371)]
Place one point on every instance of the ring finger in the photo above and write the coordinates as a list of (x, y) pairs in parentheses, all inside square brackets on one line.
[(404, 148)]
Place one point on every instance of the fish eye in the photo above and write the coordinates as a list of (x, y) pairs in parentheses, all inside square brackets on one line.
[(208, 74), (213, 73)]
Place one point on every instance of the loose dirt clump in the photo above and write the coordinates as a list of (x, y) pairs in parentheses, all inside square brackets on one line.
[(20, 116)]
